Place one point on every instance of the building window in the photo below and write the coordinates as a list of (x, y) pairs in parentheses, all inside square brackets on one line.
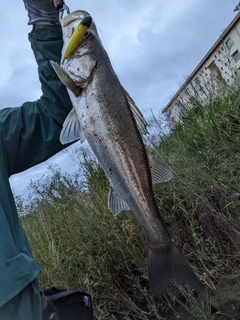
[(229, 43), (197, 81), (236, 56), (201, 91)]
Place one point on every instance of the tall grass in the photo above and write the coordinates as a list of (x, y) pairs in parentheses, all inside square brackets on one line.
[(81, 246)]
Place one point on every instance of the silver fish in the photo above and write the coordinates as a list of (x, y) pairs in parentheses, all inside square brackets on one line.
[(105, 115)]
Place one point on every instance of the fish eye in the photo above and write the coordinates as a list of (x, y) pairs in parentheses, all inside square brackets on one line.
[(88, 34)]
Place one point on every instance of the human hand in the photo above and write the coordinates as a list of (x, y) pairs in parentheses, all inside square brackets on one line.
[(42, 12)]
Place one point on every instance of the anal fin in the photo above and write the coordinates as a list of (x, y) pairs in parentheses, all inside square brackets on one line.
[(115, 203)]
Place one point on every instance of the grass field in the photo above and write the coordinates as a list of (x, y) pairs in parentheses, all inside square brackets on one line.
[(81, 246)]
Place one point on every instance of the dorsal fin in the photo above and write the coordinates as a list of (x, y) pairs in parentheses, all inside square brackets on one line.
[(138, 116), (160, 171)]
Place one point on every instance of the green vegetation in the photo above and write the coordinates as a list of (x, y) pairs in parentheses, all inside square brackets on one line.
[(81, 246)]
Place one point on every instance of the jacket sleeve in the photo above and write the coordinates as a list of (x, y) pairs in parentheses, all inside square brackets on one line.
[(30, 133)]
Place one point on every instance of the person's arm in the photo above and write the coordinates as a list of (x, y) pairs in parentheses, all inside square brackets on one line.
[(30, 133)]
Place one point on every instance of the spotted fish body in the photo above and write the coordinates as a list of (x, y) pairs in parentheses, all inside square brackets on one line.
[(106, 116)]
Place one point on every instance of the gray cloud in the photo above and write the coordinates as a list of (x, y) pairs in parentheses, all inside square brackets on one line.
[(152, 46)]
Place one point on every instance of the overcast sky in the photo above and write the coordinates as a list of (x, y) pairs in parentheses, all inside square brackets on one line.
[(153, 46)]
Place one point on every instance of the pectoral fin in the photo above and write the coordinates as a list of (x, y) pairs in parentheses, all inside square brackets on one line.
[(160, 171), (66, 79), (71, 130), (115, 203)]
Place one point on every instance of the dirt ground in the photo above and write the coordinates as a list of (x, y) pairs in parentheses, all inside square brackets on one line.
[(227, 299), (225, 303)]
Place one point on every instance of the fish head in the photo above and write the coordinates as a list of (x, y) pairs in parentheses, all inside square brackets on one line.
[(89, 42)]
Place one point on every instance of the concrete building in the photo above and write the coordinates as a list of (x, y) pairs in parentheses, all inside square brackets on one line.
[(216, 68)]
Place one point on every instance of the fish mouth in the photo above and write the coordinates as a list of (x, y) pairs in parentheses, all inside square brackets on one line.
[(79, 31)]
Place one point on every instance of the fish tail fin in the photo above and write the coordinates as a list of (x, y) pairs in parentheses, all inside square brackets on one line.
[(165, 264)]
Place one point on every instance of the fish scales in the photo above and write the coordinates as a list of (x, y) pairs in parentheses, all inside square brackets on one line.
[(111, 131)]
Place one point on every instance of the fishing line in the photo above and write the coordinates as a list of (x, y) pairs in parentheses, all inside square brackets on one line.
[(102, 38)]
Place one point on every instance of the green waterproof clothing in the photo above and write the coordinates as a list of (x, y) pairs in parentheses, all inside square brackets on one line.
[(29, 134)]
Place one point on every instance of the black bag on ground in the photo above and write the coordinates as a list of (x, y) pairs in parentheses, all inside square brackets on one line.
[(62, 304)]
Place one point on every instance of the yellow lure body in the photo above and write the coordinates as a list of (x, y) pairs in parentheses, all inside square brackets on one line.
[(77, 36)]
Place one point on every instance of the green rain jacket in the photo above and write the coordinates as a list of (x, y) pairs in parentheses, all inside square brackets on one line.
[(28, 135)]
